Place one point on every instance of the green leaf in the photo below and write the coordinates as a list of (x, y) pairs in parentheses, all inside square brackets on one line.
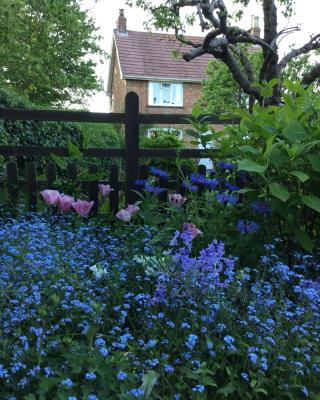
[(248, 165), (29, 397), (196, 111), (314, 161), (294, 130), (243, 191), (279, 191), (62, 163), (193, 133), (149, 380), (74, 151), (266, 92), (302, 176), (312, 202), (228, 389), (227, 115), (249, 149), (253, 383), (304, 240)]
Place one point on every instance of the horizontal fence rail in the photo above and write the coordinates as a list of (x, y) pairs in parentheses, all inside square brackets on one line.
[(61, 116), (131, 153), (84, 116)]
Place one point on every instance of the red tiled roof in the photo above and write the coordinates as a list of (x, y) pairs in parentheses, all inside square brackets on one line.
[(149, 55)]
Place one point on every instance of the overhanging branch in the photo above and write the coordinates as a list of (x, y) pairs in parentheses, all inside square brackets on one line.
[(313, 44), (311, 76)]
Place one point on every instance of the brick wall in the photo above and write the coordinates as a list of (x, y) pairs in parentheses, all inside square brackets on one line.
[(119, 90), (191, 92)]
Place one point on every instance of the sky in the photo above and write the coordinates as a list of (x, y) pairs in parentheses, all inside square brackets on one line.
[(105, 13)]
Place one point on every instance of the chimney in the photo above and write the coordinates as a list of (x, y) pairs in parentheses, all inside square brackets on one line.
[(255, 26), (122, 22)]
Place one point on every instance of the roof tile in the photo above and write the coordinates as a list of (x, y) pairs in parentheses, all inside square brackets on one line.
[(147, 55)]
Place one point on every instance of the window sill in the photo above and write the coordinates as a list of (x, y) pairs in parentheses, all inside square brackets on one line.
[(164, 106)]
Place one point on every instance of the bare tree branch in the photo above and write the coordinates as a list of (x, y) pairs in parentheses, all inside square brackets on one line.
[(313, 44), (224, 43), (207, 11), (312, 75), (239, 76), (244, 61), (194, 53)]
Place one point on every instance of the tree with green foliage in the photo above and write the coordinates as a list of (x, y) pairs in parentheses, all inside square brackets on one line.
[(221, 93), (47, 50), (224, 40)]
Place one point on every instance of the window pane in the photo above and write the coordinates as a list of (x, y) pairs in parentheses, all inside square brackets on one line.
[(166, 93), (177, 94), (154, 94)]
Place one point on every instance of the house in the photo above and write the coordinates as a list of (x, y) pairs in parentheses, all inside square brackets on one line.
[(143, 62)]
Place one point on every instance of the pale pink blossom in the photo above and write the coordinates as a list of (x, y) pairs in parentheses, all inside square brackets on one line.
[(65, 202), (51, 197), (124, 215), (132, 209), (105, 190), (82, 207), (177, 199), (191, 229)]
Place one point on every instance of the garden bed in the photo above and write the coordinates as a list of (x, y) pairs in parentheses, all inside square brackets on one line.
[(93, 313)]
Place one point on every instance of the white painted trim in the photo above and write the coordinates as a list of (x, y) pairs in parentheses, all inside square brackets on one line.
[(158, 79), (166, 104)]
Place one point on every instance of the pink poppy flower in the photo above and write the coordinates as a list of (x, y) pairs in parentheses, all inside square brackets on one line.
[(132, 209), (65, 202), (51, 197), (191, 229), (177, 199), (124, 215), (105, 190), (83, 207)]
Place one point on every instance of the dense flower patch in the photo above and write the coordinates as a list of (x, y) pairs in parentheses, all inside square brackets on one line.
[(86, 313)]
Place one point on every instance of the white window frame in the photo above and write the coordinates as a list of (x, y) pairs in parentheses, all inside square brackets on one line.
[(150, 132), (161, 103)]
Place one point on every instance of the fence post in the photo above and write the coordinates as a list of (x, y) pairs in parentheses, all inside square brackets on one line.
[(93, 189), (114, 183), (202, 171), (131, 144), (31, 176), (51, 174), (12, 179)]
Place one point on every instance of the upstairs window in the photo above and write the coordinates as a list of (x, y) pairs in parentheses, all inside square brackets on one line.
[(165, 94)]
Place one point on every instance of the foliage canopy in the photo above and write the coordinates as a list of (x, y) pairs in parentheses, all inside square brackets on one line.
[(47, 50)]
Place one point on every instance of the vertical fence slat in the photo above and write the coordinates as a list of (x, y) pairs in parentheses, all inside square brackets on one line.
[(144, 172), (72, 171), (51, 174), (31, 177), (12, 180), (143, 175), (131, 144), (93, 189), (114, 183), (164, 195), (202, 171)]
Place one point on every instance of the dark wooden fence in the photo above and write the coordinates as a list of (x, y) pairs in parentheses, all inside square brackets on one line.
[(131, 153)]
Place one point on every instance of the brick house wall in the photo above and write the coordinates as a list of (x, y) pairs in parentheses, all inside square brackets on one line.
[(120, 87)]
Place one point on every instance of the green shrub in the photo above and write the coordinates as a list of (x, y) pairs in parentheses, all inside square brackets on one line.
[(166, 140), (279, 147)]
